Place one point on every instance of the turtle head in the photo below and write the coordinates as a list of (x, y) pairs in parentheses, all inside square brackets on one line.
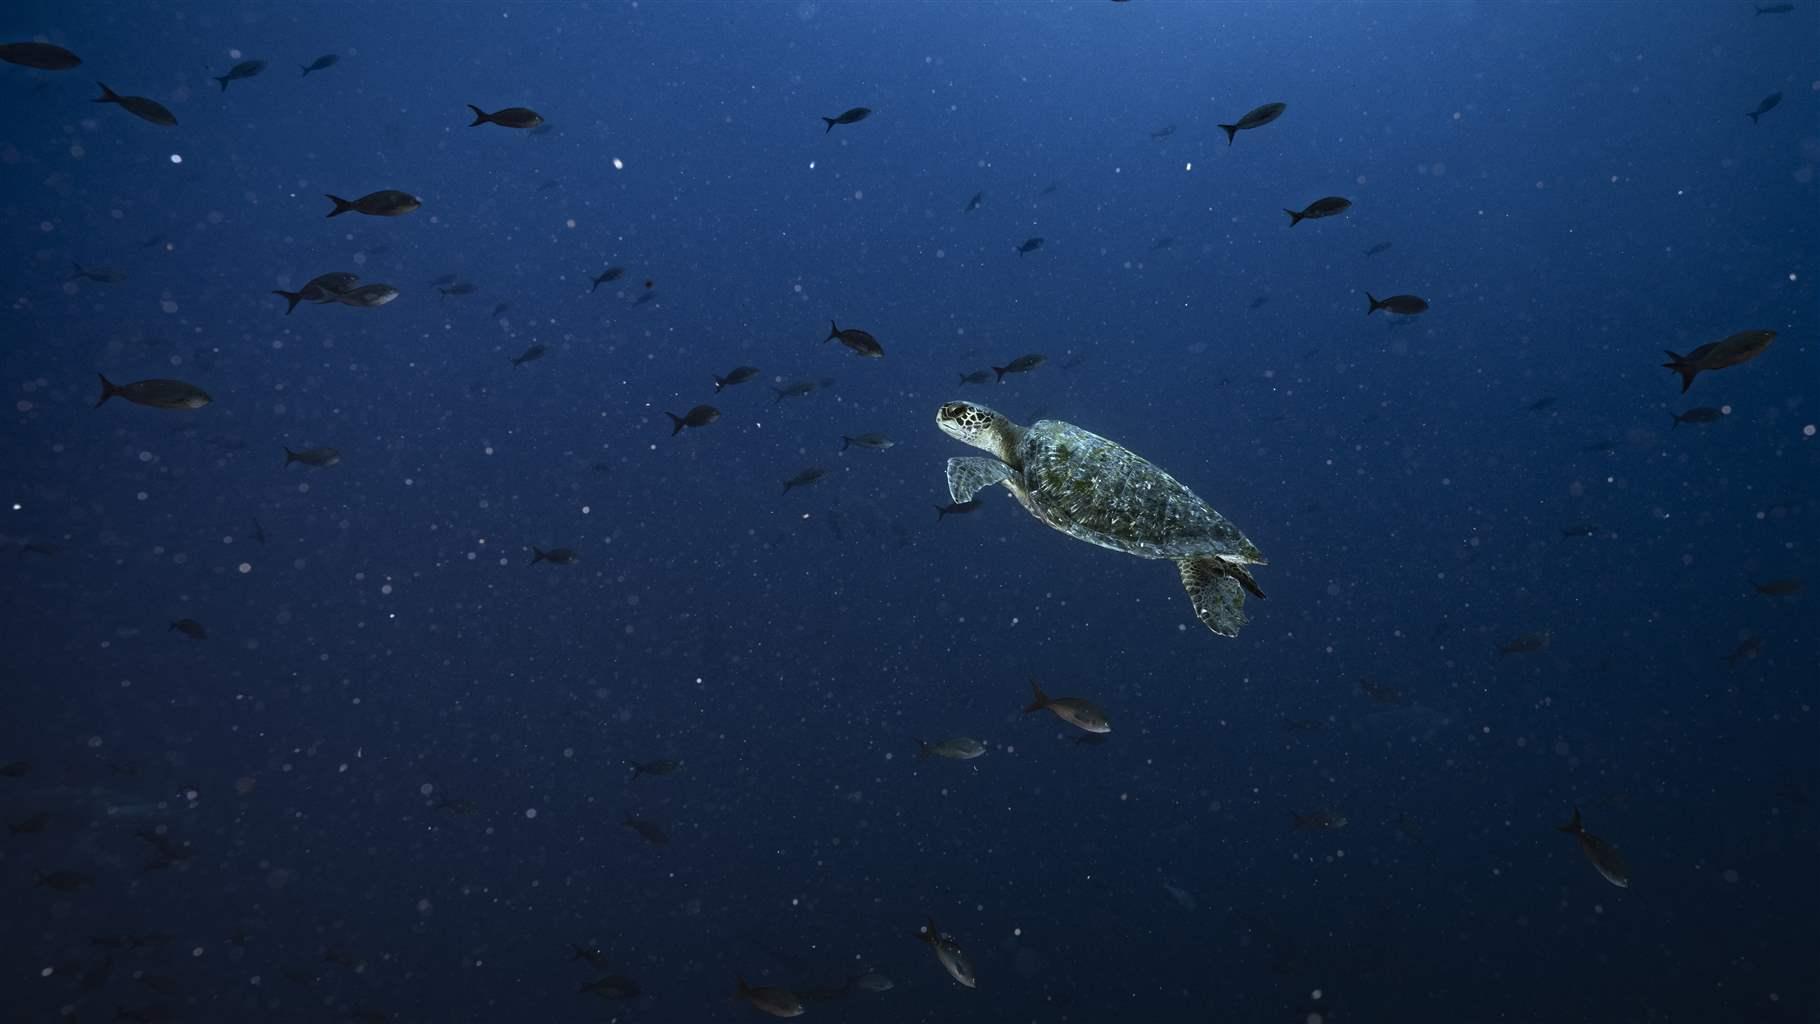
[(972, 423)]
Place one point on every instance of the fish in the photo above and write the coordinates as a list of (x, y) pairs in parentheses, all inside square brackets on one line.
[(661, 766), (1748, 648), (1717, 355), (318, 457), (190, 628), (592, 956), (1698, 415), (1543, 404), (43, 56), (1030, 245), (737, 375), (874, 441), (367, 296), (388, 202), (244, 69), (800, 388), (1776, 9), (805, 478), (15, 769), (1402, 305), (1166, 242), (1528, 643), (100, 275), (1379, 693), (530, 355), (258, 531), (30, 825), (140, 107), (976, 377), (613, 986), (607, 276), (1324, 820), (1581, 530), (644, 297), (871, 981), (1257, 118), (1302, 724), (510, 117), (648, 830), (1182, 897), (700, 416), (777, 1002), (327, 60), (1778, 588), (459, 288), (949, 954), (1768, 104), (956, 508), (1602, 854), (859, 341), (959, 748), (1162, 133), (1258, 303), (455, 805), (499, 310), (1324, 207), (323, 288), (1076, 711), (158, 394), (1022, 364), (554, 556), (974, 203), (853, 116), (1378, 248), (65, 881)]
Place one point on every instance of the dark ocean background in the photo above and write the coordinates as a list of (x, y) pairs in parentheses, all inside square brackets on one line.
[(390, 785)]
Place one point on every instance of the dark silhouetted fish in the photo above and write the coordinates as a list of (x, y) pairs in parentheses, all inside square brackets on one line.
[(648, 830), (608, 275), (159, 394), (459, 288), (1581, 530), (777, 1002), (661, 766), (244, 69), (320, 458), (258, 531), (1049, 190), (1076, 711), (974, 203), (1602, 854), (65, 881), (510, 117), (190, 628), (1717, 355), (499, 310), (554, 556), (805, 478), (1378, 248), (976, 377), (700, 416), (385, 203), (1255, 119), (616, 986), (1779, 588), (43, 56), (1029, 245), (1402, 305), (1747, 649), (875, 441), (1528, 643), (1768, 104), (854, 116), (322, 288), (1325, 207), (1543, 404), (1162, 133), (530, 355), (1166, 242), (737, 375), (859, 341), (1022, 364), (955, 508), (327, 60), (1258, 303), (798, 389), (1776, 9), (139, 106), (1696, 416), (99, 275)]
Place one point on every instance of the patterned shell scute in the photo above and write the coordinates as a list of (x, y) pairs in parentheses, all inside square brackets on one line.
[(1102, 492)]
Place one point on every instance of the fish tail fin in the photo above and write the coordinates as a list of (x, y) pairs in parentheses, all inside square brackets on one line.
[(79, 271), (830, 121), (289, 456), (1375, 304), (787, 486), (940, 513), (107, 95), (845, 442), (678, 420), (637, 770), (1232, 132), (173, 627), (1675, 417), (719, 383), (922, 746), (480, 116), (833, 332), (108, 390), (291, 297), (222, 80), (1039, 701), (537, 555), (1753, 117), (1573, 827), (1294, 217), (1682, 366), (306, 70), (1001, 371), (341, 205), (780, 395)]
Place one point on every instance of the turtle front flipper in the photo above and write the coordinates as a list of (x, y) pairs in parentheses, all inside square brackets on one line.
[(1217, 594), (969, 476)]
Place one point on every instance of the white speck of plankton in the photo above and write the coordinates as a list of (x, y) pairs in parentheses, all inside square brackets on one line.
[(618, 164), (176, 158)]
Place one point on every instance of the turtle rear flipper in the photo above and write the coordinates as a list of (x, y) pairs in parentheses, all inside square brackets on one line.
[(1218, 597), (969, 476)]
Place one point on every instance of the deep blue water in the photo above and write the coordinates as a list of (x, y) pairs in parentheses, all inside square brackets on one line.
[(390, 784)]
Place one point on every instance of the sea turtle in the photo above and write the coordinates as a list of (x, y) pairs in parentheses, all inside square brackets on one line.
[(1098, 491)]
